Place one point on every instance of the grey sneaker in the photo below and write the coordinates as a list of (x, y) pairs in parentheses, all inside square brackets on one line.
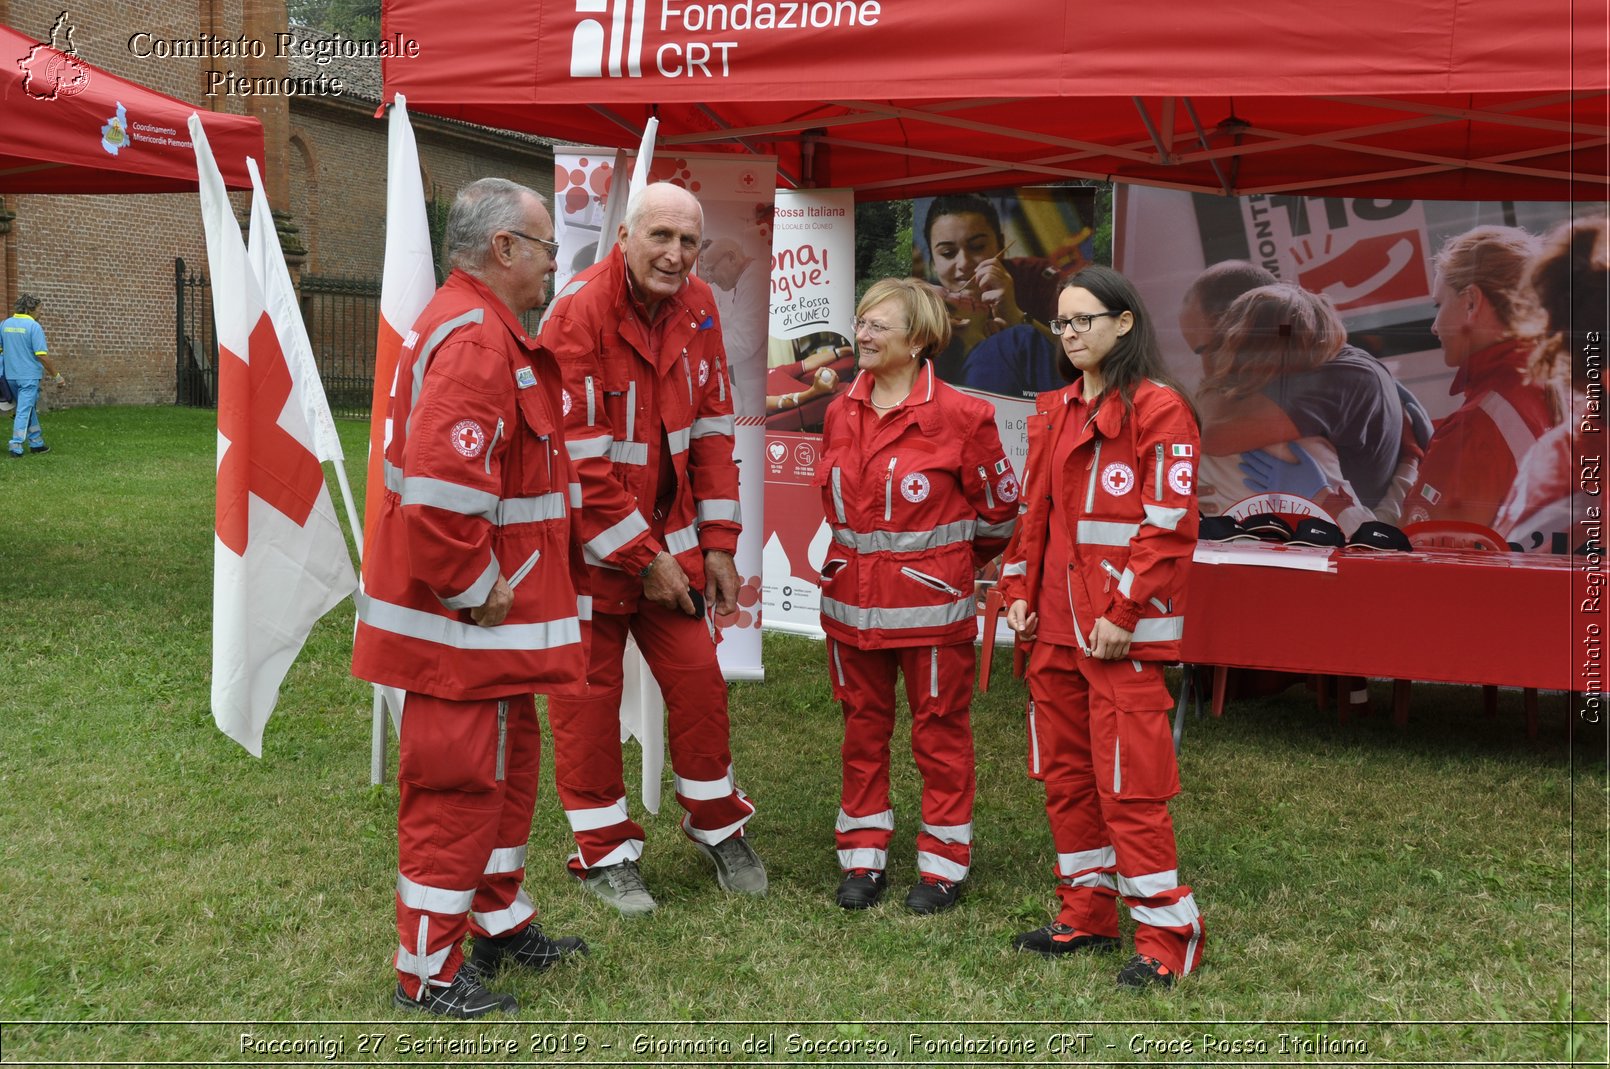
[(738, 867), (621, 885)]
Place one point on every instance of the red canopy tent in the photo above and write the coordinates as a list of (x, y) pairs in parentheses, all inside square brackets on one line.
[(1439, 99), (69, 127)]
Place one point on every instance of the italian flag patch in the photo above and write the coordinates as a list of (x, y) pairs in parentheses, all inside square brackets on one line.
[(1183, 450)]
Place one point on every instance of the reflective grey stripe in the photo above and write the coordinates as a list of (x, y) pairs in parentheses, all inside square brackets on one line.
[(883, 821), (1103, 857), (678, 440), (1091, 879), (505, 859), (450, 497), (1167, 519), (838, 664), (899, 619), (1126, 583), (838, 497), (1517, 435), (593, 819), (592, 403), (943, 867), (433, 899), (525, 569), (575, 495), (538, 509), (588, 448), (428, 627), (724, 509), (584, 606), (951, 833), (864, 858), (717, 835), (681, 540), (1003, 529), (1117, 766), (629, 453), (704, 790), (1148, 886), (609, 542), (709, 425), (1095, 473), (1160, 629), (504, 920), (1016, 568), (423, 966), (1104, 533), (422, 361), (945, 534), (476, 595), (1034, 740), (1182, 914)]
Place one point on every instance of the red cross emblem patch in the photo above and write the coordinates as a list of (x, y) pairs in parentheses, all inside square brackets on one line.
[(468, 438)]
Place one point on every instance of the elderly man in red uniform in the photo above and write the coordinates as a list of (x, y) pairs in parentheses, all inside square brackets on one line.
[(649, 425), (470, 603)]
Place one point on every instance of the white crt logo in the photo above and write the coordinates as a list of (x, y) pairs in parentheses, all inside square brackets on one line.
[(616, 51)]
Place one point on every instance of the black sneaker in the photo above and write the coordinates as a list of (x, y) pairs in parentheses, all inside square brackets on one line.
[(861, 888), (36, 449), (464, 998), (1058, 938), (933, 895), (1141, 971), (528, 948)]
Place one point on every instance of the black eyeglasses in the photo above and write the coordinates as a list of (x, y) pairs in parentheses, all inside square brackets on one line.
[(1079, 323), (551, 246)]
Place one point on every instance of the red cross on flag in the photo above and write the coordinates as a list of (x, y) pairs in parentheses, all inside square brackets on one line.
[(279, 559)]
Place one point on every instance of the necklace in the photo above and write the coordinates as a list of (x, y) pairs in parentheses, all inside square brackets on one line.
[(891, 405)]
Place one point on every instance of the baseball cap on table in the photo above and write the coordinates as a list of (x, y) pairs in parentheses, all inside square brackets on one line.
[(1314, 531), (1223, 529), (1267, 527), (1382, 536)]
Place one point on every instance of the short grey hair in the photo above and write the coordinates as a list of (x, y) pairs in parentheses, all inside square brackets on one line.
[(639, 200), (480, 210)]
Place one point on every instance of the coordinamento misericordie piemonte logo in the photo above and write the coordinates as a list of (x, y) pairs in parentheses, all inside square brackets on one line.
[(695, 38), (51, 72)]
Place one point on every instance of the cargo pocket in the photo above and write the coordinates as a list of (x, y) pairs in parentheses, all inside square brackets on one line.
[(452, 746), (1143, 764)]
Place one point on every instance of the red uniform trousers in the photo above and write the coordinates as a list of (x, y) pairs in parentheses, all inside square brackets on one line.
[(939, 690), (467, 777), (587, 737), (1100, 733)]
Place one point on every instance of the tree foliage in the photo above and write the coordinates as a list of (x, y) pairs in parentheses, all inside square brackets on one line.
[(356, 19)]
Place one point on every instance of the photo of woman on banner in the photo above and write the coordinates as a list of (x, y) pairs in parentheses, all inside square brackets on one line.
[(1289, 407), (1485, 315), (1570, 280), (999, 305)]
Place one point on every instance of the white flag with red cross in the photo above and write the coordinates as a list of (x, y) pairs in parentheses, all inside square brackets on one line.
[(279, 559)]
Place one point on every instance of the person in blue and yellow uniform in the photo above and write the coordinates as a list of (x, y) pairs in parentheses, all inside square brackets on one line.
[(1094, 581), (23, 361), (918, 494), (473, 598)]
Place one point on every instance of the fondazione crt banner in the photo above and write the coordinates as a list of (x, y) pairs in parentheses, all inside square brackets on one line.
[(736, 194)]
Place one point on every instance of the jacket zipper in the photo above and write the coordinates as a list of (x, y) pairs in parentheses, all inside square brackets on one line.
[(1159, 494), (1119, 576), (888, 490), (631, 410), (930, 581), (524, 569), (497, 436), (687, 370), (592, 403), (1090, 490), (989, 494), (503, 736)]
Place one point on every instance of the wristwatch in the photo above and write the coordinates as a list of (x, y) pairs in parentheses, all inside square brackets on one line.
[(649, 567)]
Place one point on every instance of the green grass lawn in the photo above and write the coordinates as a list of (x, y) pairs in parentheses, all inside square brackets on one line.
[(1431, 894)]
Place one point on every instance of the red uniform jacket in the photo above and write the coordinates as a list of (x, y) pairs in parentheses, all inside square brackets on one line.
[(1128, 500), (917, 501), (1476, 452), (623, 401), (477, 485)]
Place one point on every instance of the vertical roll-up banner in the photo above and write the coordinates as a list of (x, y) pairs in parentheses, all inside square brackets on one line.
[(809, 361), (736, 194)]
